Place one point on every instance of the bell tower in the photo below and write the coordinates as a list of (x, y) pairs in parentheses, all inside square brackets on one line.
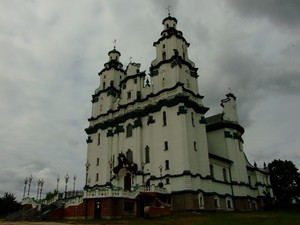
[(172, 64)]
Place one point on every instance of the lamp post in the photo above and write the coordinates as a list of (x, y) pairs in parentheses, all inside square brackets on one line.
[(42, 183), (160, 169), (66, 187), (74, 178), (57, 181), (87, 166), (143, 166), (29, 179), (25, 184), (38, 189)]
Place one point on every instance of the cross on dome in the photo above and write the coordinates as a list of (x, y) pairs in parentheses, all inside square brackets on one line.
[(115, 42), (169, 10)]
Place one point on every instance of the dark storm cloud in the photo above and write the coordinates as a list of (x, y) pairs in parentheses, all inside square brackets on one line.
[(279, 12)]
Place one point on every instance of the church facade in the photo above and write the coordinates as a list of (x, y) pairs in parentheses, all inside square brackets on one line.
[(149, 140)]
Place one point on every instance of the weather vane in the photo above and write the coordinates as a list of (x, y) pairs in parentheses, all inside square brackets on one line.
[(169, 10), (115, 42)]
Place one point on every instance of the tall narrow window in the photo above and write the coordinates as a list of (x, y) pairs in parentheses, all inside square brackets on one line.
[(167, 166), (195, 145), (211, 167), (166, 145), (224, 174), (129, 95), (249, 180), (97, 176), (164, 118), (229, 203), (97, 162), (193, 121), (200, 200), (164, 55), (103, 85), (217, 202), (147, 154), (129, 130), (129, 155), (98, 138)]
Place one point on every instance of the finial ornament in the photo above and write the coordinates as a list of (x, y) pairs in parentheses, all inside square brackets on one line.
[(169, 10), (229, 89), (130, 59), (115, 43)]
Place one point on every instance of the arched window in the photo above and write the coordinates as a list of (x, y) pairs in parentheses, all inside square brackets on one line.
[(98, 138), (164, 118), (201, 200), (188, 83), (147, 154), (229, 203), (167, 165), (167, 180), (129, 130), (193, 120), (129, 155), (217, 201), (164, 55)]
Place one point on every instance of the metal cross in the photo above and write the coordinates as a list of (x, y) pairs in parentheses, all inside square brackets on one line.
[(169, 9), (115, 42)]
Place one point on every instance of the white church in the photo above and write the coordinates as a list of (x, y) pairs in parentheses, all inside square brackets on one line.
[(150, 143)]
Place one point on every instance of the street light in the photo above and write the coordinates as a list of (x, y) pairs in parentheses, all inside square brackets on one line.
[(66, 187), (42, 183), (25, 184), (87, 166), (57, 181), (143, 166), (30, 179), (160, 169), (74, 178), (38, 189)]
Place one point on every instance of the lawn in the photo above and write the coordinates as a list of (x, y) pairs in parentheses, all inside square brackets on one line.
[(211, 218)]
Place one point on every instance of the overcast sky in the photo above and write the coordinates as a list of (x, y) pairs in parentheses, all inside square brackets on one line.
[(51, 53)]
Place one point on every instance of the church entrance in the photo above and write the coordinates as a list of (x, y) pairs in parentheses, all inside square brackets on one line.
[(127, 182), (97, 209)]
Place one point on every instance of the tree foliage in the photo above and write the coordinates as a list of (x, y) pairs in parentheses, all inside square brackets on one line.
[(8, 204), (285, 182)]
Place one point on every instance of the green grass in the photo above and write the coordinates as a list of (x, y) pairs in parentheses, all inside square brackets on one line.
[(210, 218)]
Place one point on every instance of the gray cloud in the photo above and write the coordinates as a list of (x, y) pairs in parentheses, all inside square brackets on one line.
[(281, 13)]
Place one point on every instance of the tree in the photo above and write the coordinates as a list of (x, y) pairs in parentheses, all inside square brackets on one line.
[(8, 204), (285, 182)]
